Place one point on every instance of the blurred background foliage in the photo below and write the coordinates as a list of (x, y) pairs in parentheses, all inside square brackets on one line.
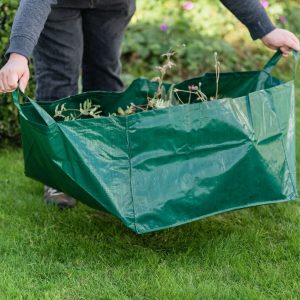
[(193, 29), (195, 34)]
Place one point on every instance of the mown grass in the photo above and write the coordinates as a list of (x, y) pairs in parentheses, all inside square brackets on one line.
[(83, 254)]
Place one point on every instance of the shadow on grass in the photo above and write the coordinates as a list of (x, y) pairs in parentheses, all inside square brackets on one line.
[(95, 227), (88, 235)]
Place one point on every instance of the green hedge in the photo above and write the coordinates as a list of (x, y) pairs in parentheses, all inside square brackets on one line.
[(204, 29), (9, 125), (159, 26), (9, 128)]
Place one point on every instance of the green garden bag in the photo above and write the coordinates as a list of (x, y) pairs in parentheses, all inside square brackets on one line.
[(166, 167)]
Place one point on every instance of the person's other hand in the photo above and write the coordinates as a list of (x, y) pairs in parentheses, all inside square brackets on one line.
[(281, 39), (14, 73)]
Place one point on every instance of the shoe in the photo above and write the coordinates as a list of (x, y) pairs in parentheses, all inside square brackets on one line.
[(59, 199)]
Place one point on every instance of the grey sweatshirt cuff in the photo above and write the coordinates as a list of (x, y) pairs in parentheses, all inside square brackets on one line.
[(20, 44), (260, 26)]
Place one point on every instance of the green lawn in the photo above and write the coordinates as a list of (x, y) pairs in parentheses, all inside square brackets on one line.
[(82, 254)]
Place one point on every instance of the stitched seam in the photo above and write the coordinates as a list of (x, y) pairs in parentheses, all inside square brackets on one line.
[(281, 139), (130, 173)]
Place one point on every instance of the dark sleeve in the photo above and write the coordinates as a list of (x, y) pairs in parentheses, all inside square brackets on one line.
[(252, 14), (28, 24)]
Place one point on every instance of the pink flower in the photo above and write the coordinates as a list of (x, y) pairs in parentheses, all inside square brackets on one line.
[(264, 3), (282, 20), (193, 87), (188, 5), (163, 27)]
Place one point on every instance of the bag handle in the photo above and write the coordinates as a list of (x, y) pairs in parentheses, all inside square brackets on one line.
[(15, 97), (42, 113), (269, 66)]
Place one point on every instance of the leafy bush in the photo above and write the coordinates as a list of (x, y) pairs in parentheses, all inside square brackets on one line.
[(8, 114), (9, 125), (195, 34), (195, 30)]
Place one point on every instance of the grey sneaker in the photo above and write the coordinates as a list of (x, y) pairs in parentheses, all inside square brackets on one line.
[(59, 199)]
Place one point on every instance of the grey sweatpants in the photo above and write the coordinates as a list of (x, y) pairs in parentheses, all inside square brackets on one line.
[(75, 39)]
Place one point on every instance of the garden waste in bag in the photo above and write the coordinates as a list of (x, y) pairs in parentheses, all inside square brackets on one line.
[(162, 168)]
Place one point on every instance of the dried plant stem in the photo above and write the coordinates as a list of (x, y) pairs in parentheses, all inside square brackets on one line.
[(201, 95), (218, 69), (178, 98), (160, 99), (169, 64), (85, 109), (139, 106)]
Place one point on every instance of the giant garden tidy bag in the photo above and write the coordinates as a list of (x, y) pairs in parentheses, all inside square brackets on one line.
[(162, 168)]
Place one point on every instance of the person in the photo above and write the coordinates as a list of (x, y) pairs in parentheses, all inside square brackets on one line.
[(67, 36)]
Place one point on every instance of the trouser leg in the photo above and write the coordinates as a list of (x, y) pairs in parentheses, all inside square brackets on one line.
[(103, 31), (58, 55)]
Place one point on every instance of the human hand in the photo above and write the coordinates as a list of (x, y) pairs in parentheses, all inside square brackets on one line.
[(15, 72), (281, 39)]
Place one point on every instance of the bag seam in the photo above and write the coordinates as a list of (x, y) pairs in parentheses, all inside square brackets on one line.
[(282, 144), (130, 173)]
